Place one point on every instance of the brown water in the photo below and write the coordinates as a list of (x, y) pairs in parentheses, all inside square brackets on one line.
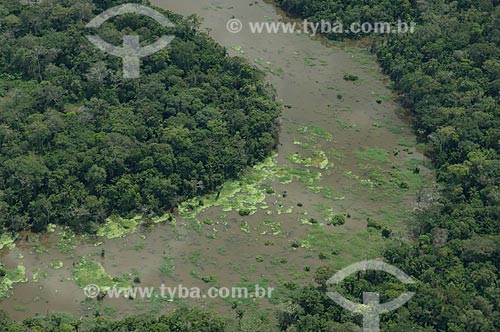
[(308, 75)]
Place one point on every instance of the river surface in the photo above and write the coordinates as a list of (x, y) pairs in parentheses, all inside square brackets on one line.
[(362, 150)]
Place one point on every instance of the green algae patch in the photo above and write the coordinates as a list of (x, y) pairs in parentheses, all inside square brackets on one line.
[(307, 177), (166, 218), (51, 228), (244, 194), (11, 277), (283, 210), (328, 214), (90, 272), (36, 275), (57, 265), (244, 227), (274, 228), (373, 155), (248, 194), (318, 160), (117, 227), (329, 193), (343, 248), (7, 240), (390, 184), (238, 48), (315, 131), (67, 241), (167, 267)]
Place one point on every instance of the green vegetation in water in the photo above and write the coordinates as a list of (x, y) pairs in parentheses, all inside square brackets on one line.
[(309, 178), (314, 131), (329, 193), (117, 227), (150, 143), (344, 125), (273, 227), (467, 215), (310, 61), (245, 228), (167, 267), (330, 216), (168, 218), (7, 240), (373, 155), (268, 67), (67, 240), (57, 265), (343, 248), (397, 129), (51, 228), (35, 275), (406, 143), (195, 257), (238, 48), (364, 59), (351, 77), (10, 277), (90, 272), (247, 194), (389, 184), (241, 194), (138, 246), (319, 159)]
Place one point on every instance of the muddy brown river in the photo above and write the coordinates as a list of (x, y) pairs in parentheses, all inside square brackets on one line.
[(344, 150)]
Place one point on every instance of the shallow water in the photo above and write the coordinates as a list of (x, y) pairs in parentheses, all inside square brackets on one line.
[(307, 74)]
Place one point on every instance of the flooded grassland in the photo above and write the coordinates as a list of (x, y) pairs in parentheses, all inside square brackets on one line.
[(346, 160)]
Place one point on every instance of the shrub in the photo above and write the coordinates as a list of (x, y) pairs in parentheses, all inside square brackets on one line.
[(208, 279), (323, 255), (350, 77), (337, 220), (244, 212), (372, 223)]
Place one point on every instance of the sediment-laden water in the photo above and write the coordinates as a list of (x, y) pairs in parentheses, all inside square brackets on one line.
[(343, 151)]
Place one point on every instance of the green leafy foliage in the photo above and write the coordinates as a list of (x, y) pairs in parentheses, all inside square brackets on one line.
[(80, 144), (167, 267), (351, 11), (448, 75), (182, 320)]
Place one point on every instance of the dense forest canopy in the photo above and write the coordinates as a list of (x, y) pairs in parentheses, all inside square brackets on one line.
[(79, 143), (180, 321), (352, 11), (448, 76)]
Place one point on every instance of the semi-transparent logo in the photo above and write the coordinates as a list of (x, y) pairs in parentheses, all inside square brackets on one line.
[(130, 52), (371, 308)]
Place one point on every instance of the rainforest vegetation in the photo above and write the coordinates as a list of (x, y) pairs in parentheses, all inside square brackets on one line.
[(79, 144), (448, 76)]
